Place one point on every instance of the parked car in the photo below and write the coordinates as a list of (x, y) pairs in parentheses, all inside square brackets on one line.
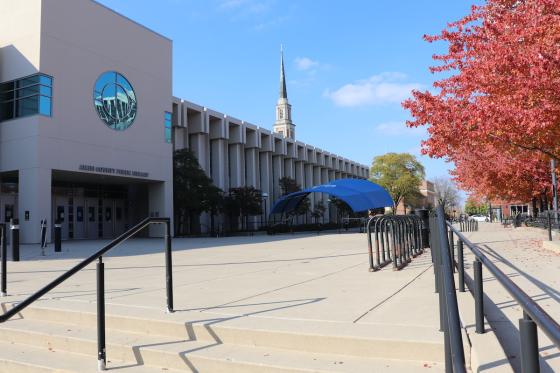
[(480, 217)]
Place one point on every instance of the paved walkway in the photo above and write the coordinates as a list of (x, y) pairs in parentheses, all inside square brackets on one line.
[(518, 252), (286, 281)]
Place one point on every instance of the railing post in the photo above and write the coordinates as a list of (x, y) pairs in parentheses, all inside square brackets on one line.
[(168, 267), (529, 345), (14, 228), (478, 297), (461, 265), (451, 250), (57, 237), (101, 355), (4, 253)]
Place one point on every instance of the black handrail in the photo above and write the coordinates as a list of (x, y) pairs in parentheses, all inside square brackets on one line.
[(533, 314), (445, 286), (548, 325), (100, 280)]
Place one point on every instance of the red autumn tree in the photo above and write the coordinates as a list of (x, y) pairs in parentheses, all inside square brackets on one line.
[(499, 104)]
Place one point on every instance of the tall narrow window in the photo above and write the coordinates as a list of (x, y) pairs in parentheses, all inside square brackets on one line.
[(168, 122), (26, 96)]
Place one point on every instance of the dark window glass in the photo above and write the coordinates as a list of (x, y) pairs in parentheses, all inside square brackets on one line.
[(30, 80), (6, 110), (27, 106)]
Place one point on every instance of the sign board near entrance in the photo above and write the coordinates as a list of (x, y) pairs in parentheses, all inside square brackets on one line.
[(113, 171)]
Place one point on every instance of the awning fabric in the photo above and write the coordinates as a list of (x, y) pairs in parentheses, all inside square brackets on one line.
[(360, 195)]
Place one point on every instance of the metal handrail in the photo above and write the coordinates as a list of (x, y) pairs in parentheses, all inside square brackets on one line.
[(547, 324), (100, 280), (445, 286)]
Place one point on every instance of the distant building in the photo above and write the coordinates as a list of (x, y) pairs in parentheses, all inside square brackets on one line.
[(427, 201)]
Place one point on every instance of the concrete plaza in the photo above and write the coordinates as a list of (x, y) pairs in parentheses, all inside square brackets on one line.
[(308, 300)]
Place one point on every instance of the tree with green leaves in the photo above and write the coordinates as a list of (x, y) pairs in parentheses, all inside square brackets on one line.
[(288, 185), (243, 202), (318, 211), (400, 174), (193, 193), (342, 207), (475, 207)]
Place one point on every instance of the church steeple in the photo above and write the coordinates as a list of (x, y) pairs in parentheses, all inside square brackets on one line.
[(283, 90), (284, 124)]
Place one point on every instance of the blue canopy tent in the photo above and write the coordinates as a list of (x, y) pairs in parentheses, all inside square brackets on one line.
[(360, 195)]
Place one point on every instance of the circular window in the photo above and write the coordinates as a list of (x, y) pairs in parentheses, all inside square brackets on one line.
[(115, 101)]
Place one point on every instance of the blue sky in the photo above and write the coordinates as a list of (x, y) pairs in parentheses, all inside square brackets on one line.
[(349, 64)]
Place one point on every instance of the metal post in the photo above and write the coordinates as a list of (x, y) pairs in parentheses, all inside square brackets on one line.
[(168, 268), (4, 253), (14, 226), (452, 251), (478, 297), (58, 237), (43, 236), (549, 224), (529, 345), (461, 264), (101, 356), (554, 189), (370, 248)]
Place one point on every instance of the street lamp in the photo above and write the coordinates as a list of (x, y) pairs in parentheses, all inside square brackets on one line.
[(264, 197)]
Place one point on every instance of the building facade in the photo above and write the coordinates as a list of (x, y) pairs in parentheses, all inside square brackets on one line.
[(88, 125)]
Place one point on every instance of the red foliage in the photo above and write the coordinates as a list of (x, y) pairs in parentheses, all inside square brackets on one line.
[(497, 112)]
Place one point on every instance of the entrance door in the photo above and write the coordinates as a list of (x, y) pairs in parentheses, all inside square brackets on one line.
[(79, 218), (61, 215), (90, 218), (108, 218), (8, 211), (120, 217)]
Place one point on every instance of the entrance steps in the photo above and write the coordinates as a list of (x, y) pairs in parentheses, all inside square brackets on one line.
[(58, 336)]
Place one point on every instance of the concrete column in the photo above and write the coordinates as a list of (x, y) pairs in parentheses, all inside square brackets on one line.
[(219, 157), (265, 168), (34, 196), (236, 165), (251, 167), (277, 174), (199, 146), (160, 203), (299, 174), (289, 168)]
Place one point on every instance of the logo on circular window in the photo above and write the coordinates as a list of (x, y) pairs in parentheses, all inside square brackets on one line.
[(115, 100)]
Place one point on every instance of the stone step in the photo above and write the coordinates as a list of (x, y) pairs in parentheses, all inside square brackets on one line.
[(76, 348), (401, 342), (18, 358)]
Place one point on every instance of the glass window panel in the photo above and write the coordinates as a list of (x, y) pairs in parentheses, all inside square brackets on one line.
[(45, 91), (30, 80), (168, 116), (6, 110), (27, 106), (6, 96), (168, 135), (114, 100), (45, 80), (28, 91), (45, 105), (9, 86)]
